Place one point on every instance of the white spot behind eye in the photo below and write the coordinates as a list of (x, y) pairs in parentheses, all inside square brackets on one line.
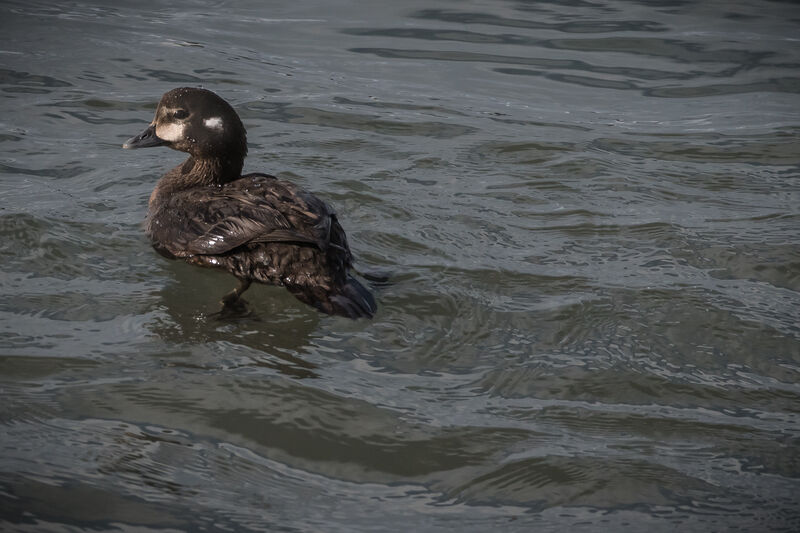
[(214, 123)]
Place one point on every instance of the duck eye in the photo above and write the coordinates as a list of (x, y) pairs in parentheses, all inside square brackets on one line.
[(180, 114)]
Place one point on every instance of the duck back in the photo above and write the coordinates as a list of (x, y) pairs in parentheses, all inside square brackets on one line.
[(265, 229)]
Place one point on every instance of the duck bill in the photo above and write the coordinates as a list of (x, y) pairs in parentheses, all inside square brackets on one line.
[(146, 139)]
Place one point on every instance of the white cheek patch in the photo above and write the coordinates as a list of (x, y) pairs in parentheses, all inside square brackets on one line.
[(171, 132), (214, 123)]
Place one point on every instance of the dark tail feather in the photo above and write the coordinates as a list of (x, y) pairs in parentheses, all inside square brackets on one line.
[(354, 300), (351, 300)]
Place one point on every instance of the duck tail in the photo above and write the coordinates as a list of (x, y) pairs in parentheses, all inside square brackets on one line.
[(351, 300)]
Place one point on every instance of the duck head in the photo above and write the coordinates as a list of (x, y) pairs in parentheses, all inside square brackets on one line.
[(195, 121)]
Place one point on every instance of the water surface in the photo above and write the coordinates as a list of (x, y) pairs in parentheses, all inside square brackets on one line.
[(590, 214)]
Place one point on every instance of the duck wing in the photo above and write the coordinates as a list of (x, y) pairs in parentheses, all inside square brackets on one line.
[(253, 209)]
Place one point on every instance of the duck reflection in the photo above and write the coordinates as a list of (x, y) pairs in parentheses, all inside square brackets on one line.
[(274, 330)]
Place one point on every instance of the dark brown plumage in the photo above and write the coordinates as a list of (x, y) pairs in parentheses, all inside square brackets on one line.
[(257, 227)]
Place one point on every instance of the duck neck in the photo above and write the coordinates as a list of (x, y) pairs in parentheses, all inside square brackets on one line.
[(197, 172)]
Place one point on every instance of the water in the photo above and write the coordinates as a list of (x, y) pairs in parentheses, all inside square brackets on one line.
[(590, 213)]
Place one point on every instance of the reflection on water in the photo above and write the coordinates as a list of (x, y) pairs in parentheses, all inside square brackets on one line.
[(589, 213)]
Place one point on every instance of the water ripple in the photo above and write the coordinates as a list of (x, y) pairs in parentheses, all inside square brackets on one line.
[(587, 212)]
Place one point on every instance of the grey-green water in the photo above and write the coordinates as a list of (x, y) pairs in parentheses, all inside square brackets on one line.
[(590, 210)]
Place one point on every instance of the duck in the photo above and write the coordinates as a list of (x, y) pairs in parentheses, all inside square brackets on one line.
[(255, 226)]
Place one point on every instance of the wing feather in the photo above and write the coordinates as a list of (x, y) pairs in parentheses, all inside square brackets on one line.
[(253, 209)]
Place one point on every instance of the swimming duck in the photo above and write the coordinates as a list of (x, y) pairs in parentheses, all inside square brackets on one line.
[(256, 226)]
